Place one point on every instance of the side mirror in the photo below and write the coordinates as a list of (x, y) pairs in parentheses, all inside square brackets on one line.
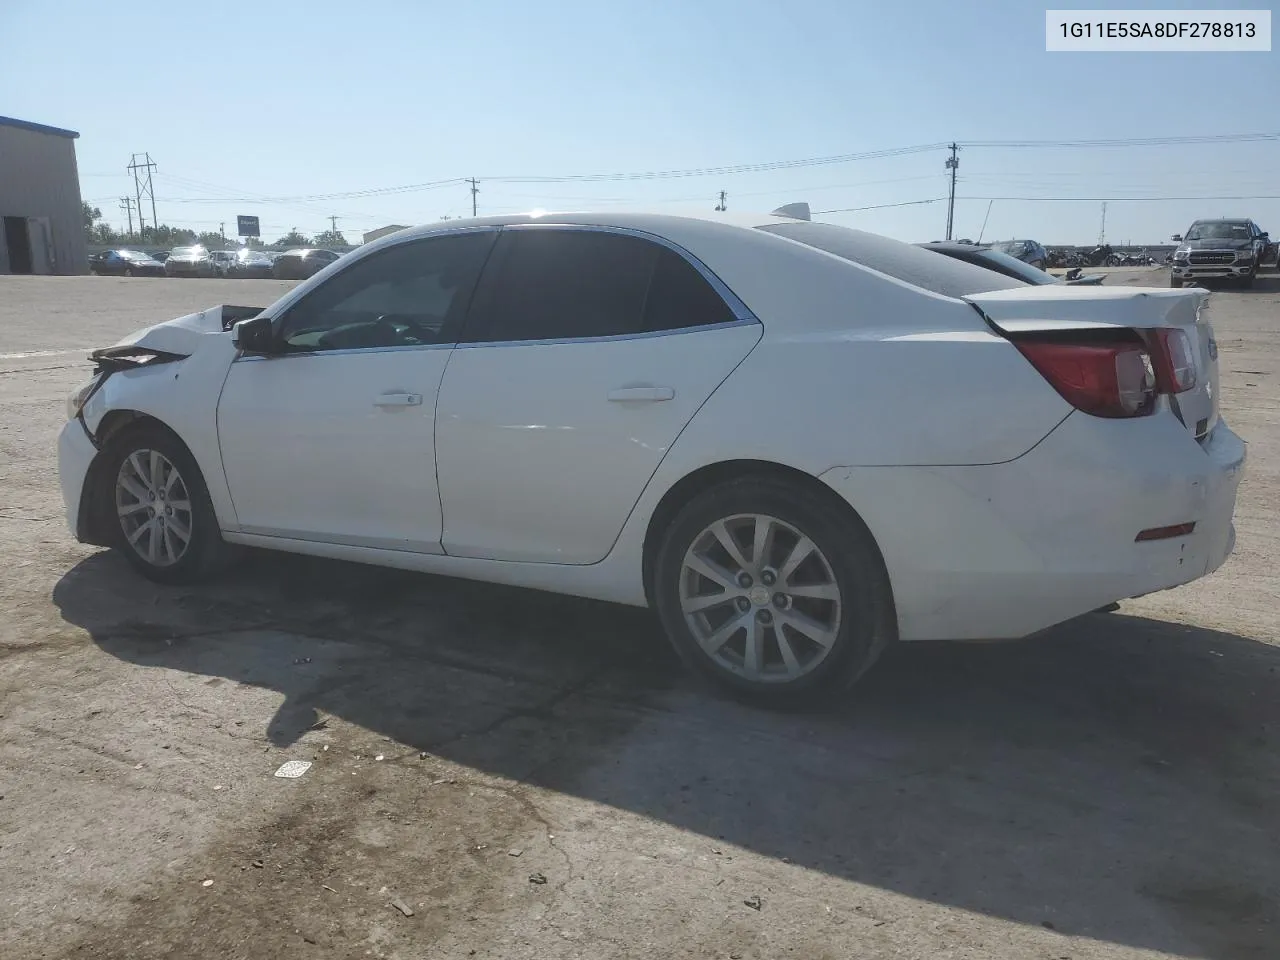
[(1264, 237), (255, 336), (1176, 238)]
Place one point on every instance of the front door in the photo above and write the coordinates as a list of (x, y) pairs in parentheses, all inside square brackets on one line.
[(585, 355), (333, 439)]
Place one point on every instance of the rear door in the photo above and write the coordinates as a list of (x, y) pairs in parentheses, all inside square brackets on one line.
[(586, 353)]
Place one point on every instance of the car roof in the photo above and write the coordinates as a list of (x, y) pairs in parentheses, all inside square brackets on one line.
[(644, 220)]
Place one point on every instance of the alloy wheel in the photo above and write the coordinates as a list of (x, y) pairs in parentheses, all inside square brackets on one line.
[(760, 598), (154, 507)]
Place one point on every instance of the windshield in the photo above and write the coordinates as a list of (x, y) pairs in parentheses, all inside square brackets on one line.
[(1012, 247), (188, 252), (1001, 261), (902, 261), (1219, 230), (132, 255)]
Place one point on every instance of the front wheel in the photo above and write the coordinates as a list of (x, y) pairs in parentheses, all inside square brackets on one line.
[(1175, 281), (161, 517), (775, 594)]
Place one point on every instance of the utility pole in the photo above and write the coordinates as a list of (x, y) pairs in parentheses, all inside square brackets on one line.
[(953, 163), (333, 225), (1102, 230), (222, 229), (126, 204), (142, 186), (722, 206), (474, 190)]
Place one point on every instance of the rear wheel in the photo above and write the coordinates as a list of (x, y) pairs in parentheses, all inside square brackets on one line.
[(1175, 281), (774, 594), (128, 271), (1247, 280), (161, 517)]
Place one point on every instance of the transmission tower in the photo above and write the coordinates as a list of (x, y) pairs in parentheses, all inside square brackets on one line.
[(126, 204), (141, 170)]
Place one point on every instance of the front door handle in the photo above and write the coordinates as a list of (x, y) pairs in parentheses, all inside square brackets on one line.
[(399, 400), (643, 394)]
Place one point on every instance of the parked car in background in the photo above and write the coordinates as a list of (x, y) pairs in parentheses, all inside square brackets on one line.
[(125, 263), (250, 263), (160, 256), (189, 262), (222, 260), (1219, 250), (1009, 266), (970, 466), (1028, 251), (300, 264)]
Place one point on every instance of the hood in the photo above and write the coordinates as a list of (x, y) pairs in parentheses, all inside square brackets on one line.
[(185, 335), (1234, 243)]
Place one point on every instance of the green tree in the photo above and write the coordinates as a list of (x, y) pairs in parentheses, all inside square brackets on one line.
[(211, 239), (101, 233), (91, 216), (330, 238), (294, 239), (167, 236)]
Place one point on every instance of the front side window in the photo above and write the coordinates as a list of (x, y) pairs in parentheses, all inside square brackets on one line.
[(410, 294), (552, 284)]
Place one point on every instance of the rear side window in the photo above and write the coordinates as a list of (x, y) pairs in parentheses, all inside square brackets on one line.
[(902, 261), (679, 296), (550, 284)]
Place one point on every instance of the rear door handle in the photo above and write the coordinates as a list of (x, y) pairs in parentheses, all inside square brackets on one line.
[(649, 394), (399, 400)]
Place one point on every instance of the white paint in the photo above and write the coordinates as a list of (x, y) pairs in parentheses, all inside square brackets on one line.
[(998, 509)]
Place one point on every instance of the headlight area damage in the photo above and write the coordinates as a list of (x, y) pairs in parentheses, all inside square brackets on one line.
[(163, 343), (124, 388)]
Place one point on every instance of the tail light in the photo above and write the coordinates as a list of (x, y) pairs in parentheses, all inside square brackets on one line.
[(1106, 379), (1175, 363)]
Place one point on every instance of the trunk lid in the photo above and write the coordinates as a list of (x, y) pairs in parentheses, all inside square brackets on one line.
[(1079, 309)]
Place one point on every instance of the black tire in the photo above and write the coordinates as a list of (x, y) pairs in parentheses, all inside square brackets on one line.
[(1247, 280), (205, 552), (866, 620), (1175, 281)]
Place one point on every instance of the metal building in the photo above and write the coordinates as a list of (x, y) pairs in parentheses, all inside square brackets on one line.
[(41, 221)]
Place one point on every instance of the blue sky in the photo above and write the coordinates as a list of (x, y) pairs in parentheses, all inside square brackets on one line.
[(298, 99)]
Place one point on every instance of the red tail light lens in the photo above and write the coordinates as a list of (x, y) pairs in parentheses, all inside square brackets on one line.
[(1102, 379), (1175, 362)]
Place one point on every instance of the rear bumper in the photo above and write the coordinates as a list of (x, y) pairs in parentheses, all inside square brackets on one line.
[(75, 454), (1002, 551)]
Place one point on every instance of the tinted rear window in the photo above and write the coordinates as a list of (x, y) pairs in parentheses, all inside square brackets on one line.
[(902, 261)]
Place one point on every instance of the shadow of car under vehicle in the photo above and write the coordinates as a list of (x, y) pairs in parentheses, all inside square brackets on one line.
[(1115, 778)]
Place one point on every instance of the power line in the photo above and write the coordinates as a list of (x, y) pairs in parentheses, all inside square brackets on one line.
[(1125, 142), (885, 206), (1123, 199)]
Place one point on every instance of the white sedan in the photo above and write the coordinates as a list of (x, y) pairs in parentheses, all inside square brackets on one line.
[(797, 442)]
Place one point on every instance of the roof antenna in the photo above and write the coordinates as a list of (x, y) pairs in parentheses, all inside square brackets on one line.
[(796, 211)]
